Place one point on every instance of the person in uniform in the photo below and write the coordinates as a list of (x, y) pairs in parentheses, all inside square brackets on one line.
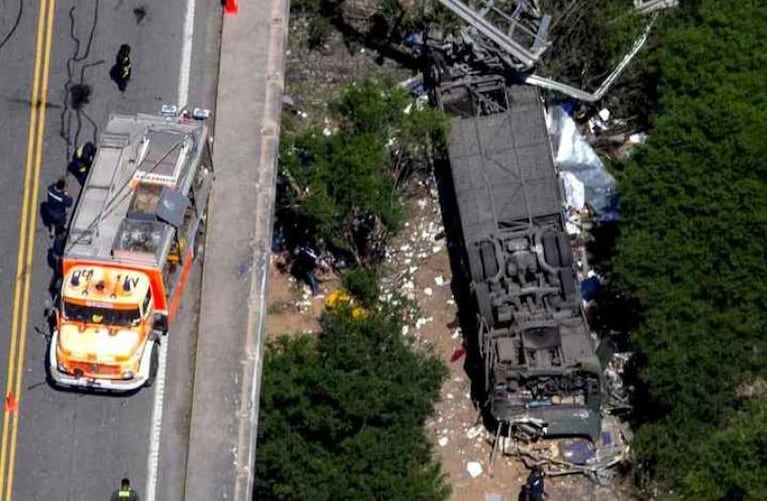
[(81, 163), (533, 490), (125, 492), (121, 71), (55, 207), (305, 266)]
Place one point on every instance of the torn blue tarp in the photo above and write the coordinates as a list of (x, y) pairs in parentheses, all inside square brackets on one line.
[(575, 155)]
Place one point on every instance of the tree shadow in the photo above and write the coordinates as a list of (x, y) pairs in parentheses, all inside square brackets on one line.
[(383, 36)]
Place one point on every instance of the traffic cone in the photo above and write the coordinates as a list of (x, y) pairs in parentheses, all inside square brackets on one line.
[(230, 7), (11, 404)]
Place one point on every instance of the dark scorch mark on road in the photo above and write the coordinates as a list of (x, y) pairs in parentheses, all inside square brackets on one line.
[(16, 22), (140, 13), (77, 93)]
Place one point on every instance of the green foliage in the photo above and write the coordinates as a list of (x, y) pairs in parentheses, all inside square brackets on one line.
[(319, 16), (319, 31), (344, 186), (694, 202), (362, 283), (342, 414), (588, 39), (386, 110), (734, 455)]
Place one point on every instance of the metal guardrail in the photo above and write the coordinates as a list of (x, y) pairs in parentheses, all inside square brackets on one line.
[(591, 97), (526, 57)]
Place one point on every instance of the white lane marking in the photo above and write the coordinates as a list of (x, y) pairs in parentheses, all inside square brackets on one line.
[(156, 426), (186, 55), (159, 390)]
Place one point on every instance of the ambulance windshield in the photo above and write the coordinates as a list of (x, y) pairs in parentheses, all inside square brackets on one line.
[(123, 317)]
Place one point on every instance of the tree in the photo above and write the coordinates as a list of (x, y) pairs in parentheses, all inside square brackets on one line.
[(344, 188), (588, 39), (342, 414), (694, 203)]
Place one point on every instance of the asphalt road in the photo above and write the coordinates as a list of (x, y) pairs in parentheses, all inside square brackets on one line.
[(68, 445)]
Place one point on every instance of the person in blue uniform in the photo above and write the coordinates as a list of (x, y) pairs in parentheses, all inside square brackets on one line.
[(54, 209)]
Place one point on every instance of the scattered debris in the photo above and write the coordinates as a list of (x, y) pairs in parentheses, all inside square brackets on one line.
[(575, 156), (474, 469), (575, 191), (753, 388), (475, 431), (575, 455), (457, 354), (647, 6)]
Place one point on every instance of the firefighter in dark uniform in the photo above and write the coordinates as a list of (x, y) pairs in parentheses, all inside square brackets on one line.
[(56, 252), (306, 264), (121, 71), (533, 490), (82, 161), (125, 493), (55, 208), (55, 255)]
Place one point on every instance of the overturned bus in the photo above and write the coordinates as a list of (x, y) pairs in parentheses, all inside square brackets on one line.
[(542, 376)]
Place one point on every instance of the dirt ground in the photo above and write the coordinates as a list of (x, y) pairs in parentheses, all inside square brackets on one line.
[(418, 265)]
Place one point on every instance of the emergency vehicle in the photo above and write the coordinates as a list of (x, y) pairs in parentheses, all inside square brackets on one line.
[(131, 243)]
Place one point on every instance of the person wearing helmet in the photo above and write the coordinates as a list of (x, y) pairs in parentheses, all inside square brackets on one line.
[(125, 492), (81, 163)]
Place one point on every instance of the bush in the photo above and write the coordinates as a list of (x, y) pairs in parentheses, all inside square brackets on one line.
[(694, 203), (344, 187), (362, 283), (342, 414)]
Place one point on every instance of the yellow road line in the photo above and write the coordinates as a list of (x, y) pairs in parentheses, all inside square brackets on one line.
[(22, 236), (31, 243), (32, 169)]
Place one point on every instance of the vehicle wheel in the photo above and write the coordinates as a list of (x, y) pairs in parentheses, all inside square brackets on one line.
[(483, 261), (154, 364), (550, 250), (565, 251)]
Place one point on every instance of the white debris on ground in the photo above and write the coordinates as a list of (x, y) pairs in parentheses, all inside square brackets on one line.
[(422, 237), (418, 271), (475, 431), (474, 468)]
